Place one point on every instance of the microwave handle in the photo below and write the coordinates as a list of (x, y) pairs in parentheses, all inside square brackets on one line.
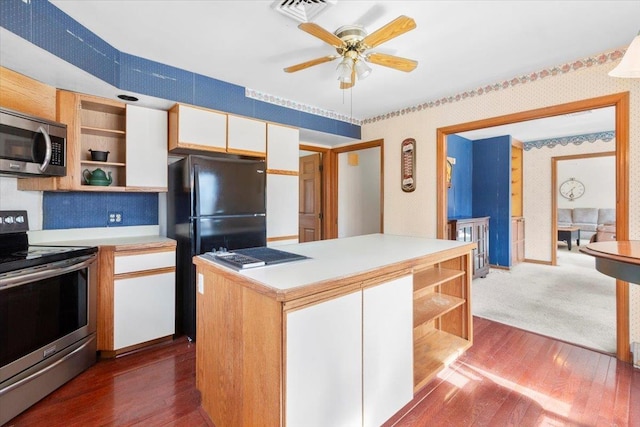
[(47, 155)]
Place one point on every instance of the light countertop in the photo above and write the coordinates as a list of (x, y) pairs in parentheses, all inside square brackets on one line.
[(339, 258), (115, 237)]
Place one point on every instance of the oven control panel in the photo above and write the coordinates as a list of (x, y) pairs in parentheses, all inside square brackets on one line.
[(13, 222)]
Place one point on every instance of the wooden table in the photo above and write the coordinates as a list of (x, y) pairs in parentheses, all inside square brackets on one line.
[(566, 234), (617, 259)]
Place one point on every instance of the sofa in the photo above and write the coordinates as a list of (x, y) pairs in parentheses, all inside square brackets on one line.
[(588, 219)]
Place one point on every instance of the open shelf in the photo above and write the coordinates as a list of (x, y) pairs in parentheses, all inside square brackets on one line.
[(434, 305), (96, 163), (433, 352), (102, 131), (425, 279)]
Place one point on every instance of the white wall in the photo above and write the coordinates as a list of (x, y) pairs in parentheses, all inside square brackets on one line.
[(415, 213), (598, 174), (538, 193), (12, 199), (359, 193)]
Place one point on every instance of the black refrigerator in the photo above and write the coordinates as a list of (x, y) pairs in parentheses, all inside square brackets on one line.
[(212, 203)]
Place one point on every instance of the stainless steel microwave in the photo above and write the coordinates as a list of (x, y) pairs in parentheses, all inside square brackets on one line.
[(31, 146)]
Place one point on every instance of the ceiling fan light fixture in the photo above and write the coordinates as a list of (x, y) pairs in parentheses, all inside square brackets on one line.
[(629, 65), (344, 70), (362, 69)]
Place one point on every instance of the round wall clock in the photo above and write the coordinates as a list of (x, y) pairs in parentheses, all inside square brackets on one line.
[(571, 189)]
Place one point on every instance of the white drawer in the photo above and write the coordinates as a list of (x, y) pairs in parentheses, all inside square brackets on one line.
[(149, 261)]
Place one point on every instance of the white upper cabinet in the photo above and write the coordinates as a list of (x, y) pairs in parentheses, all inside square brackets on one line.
[(282, 206), (197, 129), (246, 136), (283, 144), (146, 147)]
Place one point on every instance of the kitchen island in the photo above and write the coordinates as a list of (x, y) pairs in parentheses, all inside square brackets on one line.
[(345, 337)]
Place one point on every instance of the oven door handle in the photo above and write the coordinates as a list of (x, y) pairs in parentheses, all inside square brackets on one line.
[(59, 268)]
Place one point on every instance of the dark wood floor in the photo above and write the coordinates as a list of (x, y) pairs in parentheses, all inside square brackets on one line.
[(508, 378)]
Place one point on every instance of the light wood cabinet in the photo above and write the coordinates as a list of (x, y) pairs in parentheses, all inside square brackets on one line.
[(136, 296), (473, 230), (517, 240), (517, 187), (282, 184), (282, 208), (246, 136), (352, 350), (101, 124), (146, 153), (283, 148), (442, 324), (193, 128)]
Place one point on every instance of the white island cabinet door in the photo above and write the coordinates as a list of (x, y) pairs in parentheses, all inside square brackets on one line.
[(324, 364), (146, 147), (387, 349)]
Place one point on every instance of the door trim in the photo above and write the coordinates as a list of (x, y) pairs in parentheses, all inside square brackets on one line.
[(618, 100)]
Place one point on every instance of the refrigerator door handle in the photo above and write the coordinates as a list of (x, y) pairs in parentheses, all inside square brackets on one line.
[(196, 229), (196, 190)]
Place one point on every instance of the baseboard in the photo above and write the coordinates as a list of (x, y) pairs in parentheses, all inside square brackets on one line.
[(537, 261)]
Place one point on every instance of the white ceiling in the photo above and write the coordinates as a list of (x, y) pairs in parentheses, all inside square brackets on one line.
[(460, 45)]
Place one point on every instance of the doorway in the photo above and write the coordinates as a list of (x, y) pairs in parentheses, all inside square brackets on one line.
[(359, 188), (595, 174), (621, 103), (315, 204), (310, 197)]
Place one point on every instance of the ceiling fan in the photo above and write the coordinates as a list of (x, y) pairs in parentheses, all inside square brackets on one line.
[(352, 43)]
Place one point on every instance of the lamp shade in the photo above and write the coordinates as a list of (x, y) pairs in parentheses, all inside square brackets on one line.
[(344, 70), (629, 65), (362, 69)]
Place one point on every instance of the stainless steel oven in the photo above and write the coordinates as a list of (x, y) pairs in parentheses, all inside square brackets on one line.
[(31, 146), (47, 315)]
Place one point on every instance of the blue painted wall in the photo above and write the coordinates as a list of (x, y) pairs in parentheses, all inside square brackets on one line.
[(492, 194), (47, 27), (83, 209), (460, 194)]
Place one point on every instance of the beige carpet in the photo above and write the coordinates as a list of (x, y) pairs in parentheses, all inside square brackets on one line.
[(572, 301)]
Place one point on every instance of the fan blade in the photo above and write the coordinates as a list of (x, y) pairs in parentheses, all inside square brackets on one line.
[(397, 27), (319, 32), (402, 64), (303, 65), (350, 84)]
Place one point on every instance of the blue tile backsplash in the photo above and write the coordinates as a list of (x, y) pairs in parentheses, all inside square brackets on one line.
[(46, 26), (87, 210)]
